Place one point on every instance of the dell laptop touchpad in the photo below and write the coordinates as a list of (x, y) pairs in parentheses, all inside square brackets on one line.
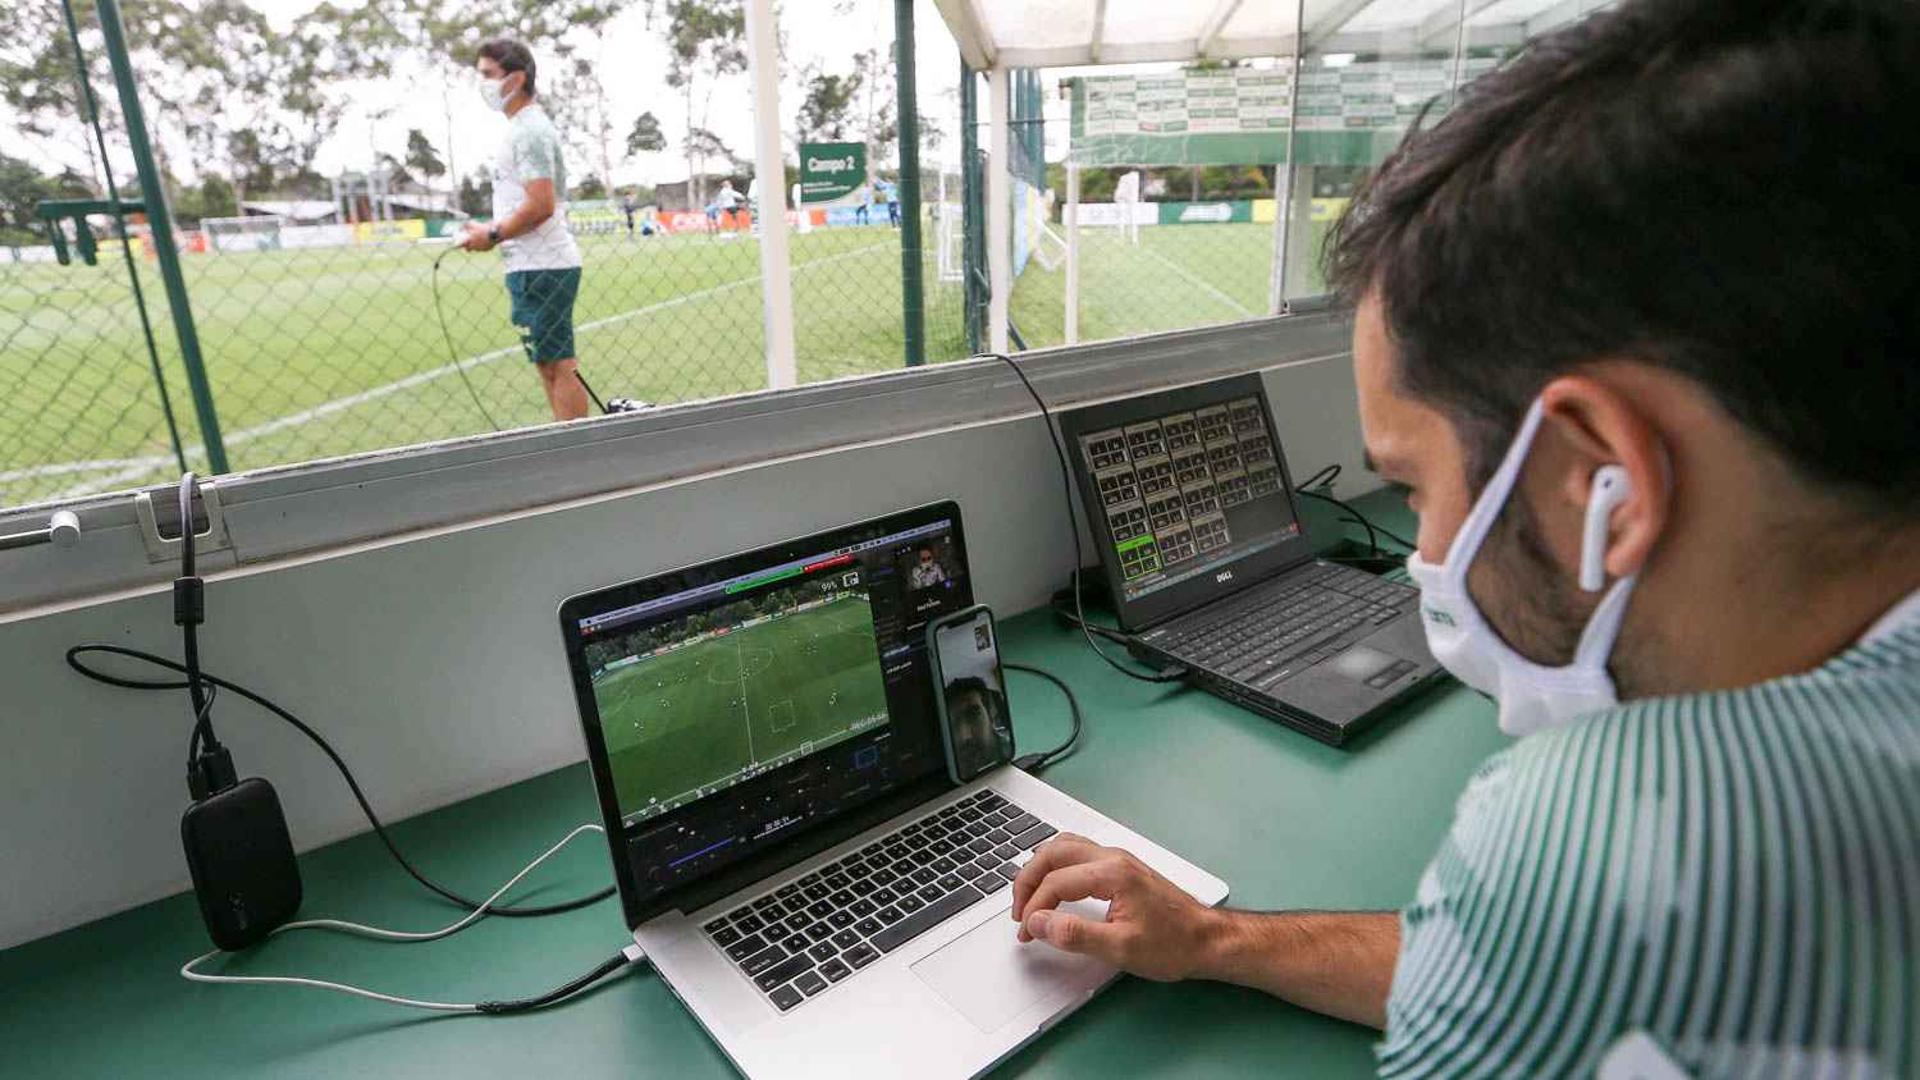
[(991, 977)]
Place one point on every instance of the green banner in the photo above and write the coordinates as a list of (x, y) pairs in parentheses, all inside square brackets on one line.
[(1347, 113), (1220, 211), (831, 171)]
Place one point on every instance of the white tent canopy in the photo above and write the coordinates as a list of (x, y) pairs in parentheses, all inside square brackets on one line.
[(1063, 33), (996, 36)]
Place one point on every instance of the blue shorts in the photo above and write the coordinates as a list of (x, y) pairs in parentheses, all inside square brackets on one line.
[(543, 310)]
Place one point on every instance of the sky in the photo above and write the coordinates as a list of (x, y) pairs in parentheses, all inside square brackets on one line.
[(631, 61), (632, 66)]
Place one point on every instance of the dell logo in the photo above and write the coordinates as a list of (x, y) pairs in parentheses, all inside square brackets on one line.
[(1223, 577)]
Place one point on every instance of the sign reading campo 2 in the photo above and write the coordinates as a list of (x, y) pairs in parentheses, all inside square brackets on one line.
[(831, 171)]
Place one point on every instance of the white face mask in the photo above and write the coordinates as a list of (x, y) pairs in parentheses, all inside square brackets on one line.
[(494, 93), (1532, 697)]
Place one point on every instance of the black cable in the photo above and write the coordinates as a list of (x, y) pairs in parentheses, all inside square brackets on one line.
[(1073, 529), (453, 355), (1324, 478), (1036, 762), (588, 387), (185, 614), (353, 784), (559, 993)]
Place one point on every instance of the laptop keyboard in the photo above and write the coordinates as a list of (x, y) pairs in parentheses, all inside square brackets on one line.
[(1264, 635), (819, 929)]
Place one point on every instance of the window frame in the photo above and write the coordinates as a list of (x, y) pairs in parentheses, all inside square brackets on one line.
[(328, 507)]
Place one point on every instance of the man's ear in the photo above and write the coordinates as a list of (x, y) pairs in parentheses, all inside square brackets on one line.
[(1596, 425)]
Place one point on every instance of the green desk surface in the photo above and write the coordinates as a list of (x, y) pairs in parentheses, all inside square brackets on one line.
[(1285, 821)]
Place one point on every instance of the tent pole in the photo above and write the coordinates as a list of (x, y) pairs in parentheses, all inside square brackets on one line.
[(999, 210)]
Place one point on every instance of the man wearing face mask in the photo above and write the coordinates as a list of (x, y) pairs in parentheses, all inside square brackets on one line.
[(530, 226), (1653, 396)]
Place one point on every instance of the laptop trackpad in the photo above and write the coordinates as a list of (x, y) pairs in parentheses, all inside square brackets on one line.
[(990, 977)]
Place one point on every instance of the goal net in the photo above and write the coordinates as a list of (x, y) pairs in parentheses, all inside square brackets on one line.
[(259, 232)]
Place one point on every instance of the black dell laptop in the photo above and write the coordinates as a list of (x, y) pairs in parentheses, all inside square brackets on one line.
[(1210, 567)]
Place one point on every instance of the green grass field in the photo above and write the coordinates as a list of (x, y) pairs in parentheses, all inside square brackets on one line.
[(697, 718), (322, 352)]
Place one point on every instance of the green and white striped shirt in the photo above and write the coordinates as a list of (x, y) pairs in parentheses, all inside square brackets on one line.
[(1735, 874)]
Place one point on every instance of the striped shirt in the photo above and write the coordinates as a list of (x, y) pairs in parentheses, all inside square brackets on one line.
[(1734, 874)]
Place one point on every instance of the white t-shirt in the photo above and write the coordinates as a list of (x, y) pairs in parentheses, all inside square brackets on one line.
[(531, 151)]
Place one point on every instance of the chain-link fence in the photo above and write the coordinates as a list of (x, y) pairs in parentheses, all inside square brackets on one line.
[(336, 315)]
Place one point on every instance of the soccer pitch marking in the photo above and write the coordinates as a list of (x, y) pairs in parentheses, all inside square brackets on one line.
[(754, 764), (134, 468), (1200, 283)]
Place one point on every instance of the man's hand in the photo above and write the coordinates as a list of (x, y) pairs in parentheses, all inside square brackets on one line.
[(1152, 929), (476, 239), (1335, 962)]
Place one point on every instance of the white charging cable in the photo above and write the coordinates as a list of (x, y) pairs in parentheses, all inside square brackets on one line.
[(629, 955)]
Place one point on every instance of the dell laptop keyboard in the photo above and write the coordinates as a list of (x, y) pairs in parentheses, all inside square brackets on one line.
[(1267, 629), (805, 936)]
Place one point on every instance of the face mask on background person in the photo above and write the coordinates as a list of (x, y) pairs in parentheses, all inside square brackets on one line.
[(1532, 697), (494, 92)]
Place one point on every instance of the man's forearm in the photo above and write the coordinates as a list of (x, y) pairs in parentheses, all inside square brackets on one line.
[(525, 218), (1338, 963)]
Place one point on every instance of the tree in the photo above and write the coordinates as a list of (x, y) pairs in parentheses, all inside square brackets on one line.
[(226, 72), (590, 187), (22, 187), (705, 39), (476, 193), (421, 156), (398, 178), (702, 145), (826, 107), (577, 100), (646, 136), (874, 69)]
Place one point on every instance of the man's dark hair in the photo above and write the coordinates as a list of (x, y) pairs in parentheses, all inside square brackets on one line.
[(1729, 189), (512, 56)]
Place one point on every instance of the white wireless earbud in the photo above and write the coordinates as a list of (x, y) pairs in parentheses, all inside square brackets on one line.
[(1610, 488)]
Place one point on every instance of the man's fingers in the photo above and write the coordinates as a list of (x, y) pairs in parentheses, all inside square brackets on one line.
[(1071, 933), (1070, 883), (1065, 849)]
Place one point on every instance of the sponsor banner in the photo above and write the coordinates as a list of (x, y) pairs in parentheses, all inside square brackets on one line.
[(389, 232), (1118, 214), (1205, 213), (1263, 210), (1328, 209), (316, 236)]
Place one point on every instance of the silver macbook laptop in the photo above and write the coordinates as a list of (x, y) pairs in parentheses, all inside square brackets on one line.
[(789, 850)]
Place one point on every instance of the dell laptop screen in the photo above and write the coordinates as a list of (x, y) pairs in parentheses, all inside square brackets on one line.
[(741, 702), (1185, 490)]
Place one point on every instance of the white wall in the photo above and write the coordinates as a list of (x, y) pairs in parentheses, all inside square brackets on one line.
[(434, 664)]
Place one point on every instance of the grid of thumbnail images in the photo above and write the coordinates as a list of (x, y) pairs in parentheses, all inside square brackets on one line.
[(1165, 484)]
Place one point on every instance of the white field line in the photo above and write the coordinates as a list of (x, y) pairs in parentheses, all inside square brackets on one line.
[(134, 468), (1204, 285)]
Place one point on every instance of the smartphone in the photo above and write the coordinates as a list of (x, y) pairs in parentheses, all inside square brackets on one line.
[(970, 692)]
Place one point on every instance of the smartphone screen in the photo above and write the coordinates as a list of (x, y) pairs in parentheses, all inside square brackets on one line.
[(978, 732)]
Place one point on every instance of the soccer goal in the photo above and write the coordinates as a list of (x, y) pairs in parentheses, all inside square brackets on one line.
[(259, 232), (949, 228)]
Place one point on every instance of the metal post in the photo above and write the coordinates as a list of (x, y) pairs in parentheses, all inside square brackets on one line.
[(971, 271), (160, 222), (912, 289), (1073, 249), (776, 282), (1283, 176), (999, 211)]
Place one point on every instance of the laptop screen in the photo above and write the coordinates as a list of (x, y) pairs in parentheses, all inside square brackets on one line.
[(741, 702), (1184, 488)]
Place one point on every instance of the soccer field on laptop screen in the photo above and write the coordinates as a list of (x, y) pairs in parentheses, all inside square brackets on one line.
[(701, 702), (742, 701)]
